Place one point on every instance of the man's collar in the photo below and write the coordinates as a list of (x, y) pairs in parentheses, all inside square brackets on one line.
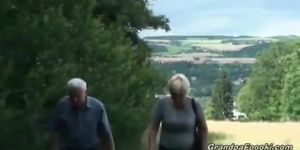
[(88, 102)]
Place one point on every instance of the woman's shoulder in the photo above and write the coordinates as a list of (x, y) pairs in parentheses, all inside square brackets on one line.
[(194, 100), (162, 99), (190, 98)]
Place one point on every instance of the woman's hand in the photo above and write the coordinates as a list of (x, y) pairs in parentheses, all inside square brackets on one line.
[(154, 126)]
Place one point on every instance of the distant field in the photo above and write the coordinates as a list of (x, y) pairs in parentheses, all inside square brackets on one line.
[(235, 60), (158, 40), (200, 41), (174, 49), (222, 46), (195, 54), (198, 49), (256, 132), (189, 58)]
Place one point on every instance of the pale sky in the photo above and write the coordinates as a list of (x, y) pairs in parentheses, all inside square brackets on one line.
[(228, 17)]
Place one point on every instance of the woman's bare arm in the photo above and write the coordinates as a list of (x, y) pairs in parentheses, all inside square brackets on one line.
[(202, 127), (154, 126)]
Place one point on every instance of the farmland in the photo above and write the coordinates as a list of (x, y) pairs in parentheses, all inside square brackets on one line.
[(201, 57), (192, 49)]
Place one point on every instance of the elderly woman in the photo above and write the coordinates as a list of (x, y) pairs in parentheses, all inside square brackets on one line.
[(182, 120)]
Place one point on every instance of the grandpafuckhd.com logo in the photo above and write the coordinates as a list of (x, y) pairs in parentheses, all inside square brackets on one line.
[(248, 146)]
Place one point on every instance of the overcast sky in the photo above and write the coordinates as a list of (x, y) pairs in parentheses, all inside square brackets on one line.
[(229, 17)]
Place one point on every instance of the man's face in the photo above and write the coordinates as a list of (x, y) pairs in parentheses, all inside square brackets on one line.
[(77, 97)]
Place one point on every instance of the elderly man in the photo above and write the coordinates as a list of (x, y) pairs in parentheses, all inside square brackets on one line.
[(80, 121)]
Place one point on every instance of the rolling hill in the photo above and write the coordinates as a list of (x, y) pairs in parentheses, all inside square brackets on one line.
[(201, 49), (202, 57)]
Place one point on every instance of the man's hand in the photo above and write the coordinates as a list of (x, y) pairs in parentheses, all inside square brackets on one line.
[(107, 142), (54, 141)]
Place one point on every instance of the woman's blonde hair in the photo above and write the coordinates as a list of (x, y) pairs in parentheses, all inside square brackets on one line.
[(177, 83)]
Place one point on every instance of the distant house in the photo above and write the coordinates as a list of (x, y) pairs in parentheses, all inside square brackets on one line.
[(237, 115), (238, 81), (193, 78)]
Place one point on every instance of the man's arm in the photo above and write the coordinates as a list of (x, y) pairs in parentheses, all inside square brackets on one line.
[(105, 133), (54, 126), (107, 142), (54, 141)]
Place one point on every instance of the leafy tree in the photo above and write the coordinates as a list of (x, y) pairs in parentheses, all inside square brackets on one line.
[(207, 106), (290, 91), (45, 43), (270, 92), (247, 52)]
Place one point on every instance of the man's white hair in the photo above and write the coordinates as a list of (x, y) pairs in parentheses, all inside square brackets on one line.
[(76, 83), (177, 83)]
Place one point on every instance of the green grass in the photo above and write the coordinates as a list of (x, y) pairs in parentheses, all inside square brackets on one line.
[(160, 53), (174, 50), (190, 42)]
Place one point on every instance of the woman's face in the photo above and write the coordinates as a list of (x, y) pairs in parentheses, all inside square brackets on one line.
[(179, 98)]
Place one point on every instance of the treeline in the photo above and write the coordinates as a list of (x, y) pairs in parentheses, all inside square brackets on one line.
[(187, 37), (45, 43), (203, 76), (272, 93), (247, 52), (158, 48)]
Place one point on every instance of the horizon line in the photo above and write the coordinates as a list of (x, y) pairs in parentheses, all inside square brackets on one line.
[(187, 35)]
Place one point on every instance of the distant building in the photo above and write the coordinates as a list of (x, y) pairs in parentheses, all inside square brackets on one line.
[(237, 115), (238, 81), (193, 78)]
